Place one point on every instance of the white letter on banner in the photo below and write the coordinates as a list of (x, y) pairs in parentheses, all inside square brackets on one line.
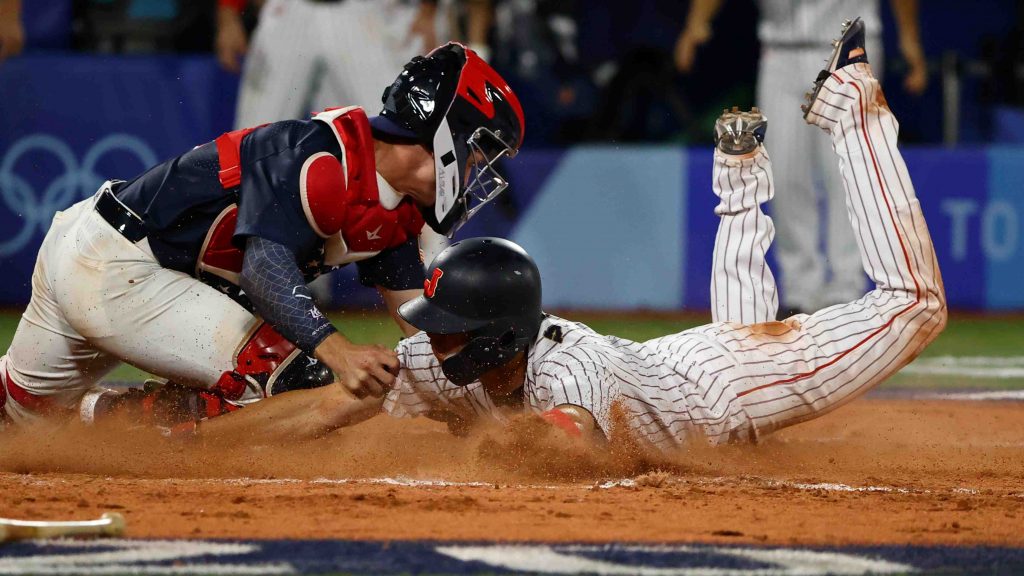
[(999, 230), (959, 211)]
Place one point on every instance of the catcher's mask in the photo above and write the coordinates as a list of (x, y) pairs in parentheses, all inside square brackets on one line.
[(457, 106), (488, 289)]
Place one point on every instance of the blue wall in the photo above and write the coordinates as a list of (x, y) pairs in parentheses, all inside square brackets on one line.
[(611, 227)]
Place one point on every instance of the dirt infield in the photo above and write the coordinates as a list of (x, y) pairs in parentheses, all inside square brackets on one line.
[(879, 471)]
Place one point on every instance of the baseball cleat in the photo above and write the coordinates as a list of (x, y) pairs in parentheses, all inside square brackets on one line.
[(849, 49), (738, 132)]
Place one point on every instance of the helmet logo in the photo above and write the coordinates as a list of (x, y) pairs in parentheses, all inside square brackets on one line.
[(430, 286)]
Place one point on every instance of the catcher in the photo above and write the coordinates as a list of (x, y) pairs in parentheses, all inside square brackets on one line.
[(196, 270)]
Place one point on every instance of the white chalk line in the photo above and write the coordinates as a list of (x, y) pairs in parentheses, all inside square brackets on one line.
[(982, 367), (627, 483), (978, 396)]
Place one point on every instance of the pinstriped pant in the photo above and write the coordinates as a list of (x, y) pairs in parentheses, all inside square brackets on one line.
[(788, 372)]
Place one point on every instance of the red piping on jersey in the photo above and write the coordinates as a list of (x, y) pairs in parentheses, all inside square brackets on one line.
[(906, 256)]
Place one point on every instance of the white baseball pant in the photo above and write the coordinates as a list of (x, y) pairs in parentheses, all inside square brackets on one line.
[(98, 300), (787, 372)]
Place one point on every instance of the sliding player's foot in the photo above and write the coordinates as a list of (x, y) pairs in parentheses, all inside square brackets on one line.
[(846, 51), (738, 132)]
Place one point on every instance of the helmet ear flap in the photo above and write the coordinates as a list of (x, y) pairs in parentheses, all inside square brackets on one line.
[(481, 353)]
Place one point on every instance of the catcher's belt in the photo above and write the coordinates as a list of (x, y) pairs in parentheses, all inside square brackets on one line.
[(118, 215)]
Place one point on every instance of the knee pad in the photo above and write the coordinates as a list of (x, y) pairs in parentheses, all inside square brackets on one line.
[(268, 364)]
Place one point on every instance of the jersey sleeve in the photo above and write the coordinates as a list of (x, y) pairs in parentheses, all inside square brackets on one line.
[(579, 377), (418, 386), (422, 390), (276, 288), (270, 205), (398, 268)]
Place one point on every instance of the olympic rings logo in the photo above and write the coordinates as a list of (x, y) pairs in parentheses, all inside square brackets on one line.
[(74, 182)]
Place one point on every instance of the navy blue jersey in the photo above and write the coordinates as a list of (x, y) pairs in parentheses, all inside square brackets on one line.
[(180, 200)]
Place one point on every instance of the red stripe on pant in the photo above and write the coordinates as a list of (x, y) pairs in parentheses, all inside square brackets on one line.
[(906, 255), (28, 400)]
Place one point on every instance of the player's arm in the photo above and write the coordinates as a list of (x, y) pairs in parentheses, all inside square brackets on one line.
[(275, 229), (271, 279), (479, 18), (397, 274), (907, 21), (12, 33), (395, 298), (696, 31), (232, 42), (577, 385), (297, 415)]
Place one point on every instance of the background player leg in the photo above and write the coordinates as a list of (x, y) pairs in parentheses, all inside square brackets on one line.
[(361, 45), (278, 75), (796, 210), (742, 285), (823, 361)]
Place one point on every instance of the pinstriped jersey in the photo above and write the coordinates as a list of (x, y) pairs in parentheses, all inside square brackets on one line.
[(669, 388)]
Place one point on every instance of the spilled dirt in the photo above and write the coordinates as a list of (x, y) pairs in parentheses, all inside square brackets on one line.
[(877, 471)]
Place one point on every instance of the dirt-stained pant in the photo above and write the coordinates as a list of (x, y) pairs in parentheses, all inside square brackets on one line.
[(791, 371)]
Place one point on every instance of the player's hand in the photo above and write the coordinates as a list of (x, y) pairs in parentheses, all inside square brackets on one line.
[(916, 79), (371, 371), (686, 46), (12, 36), (362, 370), (231, 43)]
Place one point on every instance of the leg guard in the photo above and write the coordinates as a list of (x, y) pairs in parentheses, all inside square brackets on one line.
[(157, 403), (267, 364)]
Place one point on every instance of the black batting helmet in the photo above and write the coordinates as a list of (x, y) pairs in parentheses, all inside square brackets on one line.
[(461, 109), (488, 288)]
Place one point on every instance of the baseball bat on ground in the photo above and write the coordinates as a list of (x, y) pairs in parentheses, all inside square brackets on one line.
[(110, 524)]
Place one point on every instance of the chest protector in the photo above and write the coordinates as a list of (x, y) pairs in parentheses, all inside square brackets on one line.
[(339, 196)]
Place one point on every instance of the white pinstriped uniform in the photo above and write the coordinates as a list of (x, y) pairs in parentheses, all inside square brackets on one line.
[(745, 375)]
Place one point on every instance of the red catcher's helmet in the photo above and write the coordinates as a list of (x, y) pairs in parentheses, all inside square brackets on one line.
[(456, 105)]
